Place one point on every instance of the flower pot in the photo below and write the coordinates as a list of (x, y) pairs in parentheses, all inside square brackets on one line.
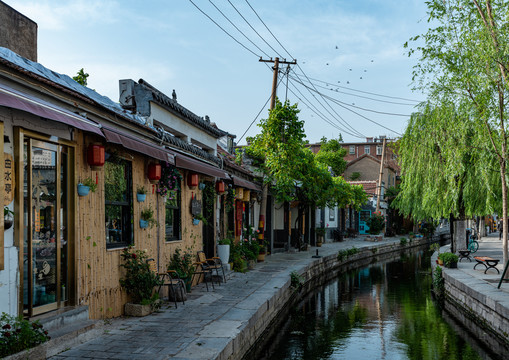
[(223, 252), (251, 264), (143, 224), (196, 221), (83, 190), (440, 262), (141, 197), (137, 309), (261, 257), (8, 221), (452, 265)]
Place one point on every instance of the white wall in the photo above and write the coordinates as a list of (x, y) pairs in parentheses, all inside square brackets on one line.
[(9, 276)]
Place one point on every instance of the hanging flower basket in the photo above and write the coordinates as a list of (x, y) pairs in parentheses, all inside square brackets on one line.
[(196, 221), (143, 224), (170, 179), (141, 197), (83, 190)]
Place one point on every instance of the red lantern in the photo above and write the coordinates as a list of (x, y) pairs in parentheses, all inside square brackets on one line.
[(154, 172), (95, 156), (220, 187), (192, 180)]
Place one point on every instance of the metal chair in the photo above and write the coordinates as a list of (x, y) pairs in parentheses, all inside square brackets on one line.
[(214, 263), (203, 269), (170, 279)]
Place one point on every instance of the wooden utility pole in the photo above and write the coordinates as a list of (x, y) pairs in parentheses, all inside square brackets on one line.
[(263, 205), (380, 178)]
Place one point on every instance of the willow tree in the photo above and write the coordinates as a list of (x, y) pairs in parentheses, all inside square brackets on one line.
[(447, 170), (463, 61)]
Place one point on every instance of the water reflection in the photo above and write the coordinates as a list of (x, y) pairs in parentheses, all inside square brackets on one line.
[(384, 311)]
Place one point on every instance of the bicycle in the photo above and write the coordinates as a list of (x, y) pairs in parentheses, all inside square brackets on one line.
[(473, 244)]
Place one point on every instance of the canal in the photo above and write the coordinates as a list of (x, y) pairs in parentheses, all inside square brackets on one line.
[(382, 311)]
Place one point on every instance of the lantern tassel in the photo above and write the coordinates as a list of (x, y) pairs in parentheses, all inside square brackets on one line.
[(153, 186)]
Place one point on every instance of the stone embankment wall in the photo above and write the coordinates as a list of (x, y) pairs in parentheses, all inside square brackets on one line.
[(477, 305), (317, 272)]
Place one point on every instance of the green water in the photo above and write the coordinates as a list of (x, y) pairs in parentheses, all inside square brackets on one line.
[(384, 311)]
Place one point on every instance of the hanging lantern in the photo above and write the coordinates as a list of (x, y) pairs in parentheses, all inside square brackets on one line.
[(154, 172), (239, 193), (220, 187), (95, 156), (192, 180), (247, 195)]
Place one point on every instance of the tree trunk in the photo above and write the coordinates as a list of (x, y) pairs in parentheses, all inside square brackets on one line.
[(504, 208)]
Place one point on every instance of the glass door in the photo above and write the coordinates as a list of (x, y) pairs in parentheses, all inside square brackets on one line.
[(45, 214)]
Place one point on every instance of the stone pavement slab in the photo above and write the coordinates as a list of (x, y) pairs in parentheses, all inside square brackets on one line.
[(211, 322)]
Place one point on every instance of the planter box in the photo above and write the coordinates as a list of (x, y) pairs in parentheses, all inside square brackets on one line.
[(137, 309), (223, 252)]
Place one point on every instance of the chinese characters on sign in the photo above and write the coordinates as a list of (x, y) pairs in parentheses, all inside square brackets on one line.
[(8, 179)]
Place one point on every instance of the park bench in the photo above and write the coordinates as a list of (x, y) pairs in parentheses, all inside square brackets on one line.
[(464, 254), (488, 262)]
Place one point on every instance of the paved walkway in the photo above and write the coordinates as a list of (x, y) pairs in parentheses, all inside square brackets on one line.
[(205, 325)]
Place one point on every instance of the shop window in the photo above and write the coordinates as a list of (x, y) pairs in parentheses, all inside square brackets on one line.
[(118, 202), (173, 215)]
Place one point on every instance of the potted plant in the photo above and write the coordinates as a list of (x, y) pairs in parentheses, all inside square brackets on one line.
[(320, 233), (141, 193), (450, 260), (85, 186), (197, 218), (8, 218), (223, 248), (182, 262), (139, 282), (147, 218)]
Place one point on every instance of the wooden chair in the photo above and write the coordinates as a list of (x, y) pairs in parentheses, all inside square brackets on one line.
[(214, 264), (170, 279)]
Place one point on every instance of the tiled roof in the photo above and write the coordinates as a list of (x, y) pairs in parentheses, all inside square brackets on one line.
[(369, 186), (186, 114)]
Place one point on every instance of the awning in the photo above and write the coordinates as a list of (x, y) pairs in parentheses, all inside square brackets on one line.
[(132, 143), (246, 184), (17, 100), (188, 163)]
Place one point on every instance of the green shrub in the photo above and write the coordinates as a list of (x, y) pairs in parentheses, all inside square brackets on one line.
[(296, 281), (448, 258), (376, 223), (139, 280), (403, 241), (438, 284), (18, 334)]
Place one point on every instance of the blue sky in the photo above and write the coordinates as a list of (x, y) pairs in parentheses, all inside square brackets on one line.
[(172, 45)]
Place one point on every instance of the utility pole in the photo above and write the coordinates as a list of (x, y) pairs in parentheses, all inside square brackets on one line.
[(263, 205), (380, 178)]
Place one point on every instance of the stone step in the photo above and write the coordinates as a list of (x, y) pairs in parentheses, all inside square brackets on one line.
[(62, 317)]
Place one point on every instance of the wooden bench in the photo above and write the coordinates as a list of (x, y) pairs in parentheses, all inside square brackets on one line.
[(489, 263)]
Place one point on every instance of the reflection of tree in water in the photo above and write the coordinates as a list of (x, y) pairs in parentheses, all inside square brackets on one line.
[(393, 297)]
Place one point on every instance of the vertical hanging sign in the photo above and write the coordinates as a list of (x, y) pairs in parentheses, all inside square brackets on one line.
[(8, 179)]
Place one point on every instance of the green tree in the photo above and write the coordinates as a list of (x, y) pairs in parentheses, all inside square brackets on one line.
[(463, 66), (293, 171), (81, 77), (332, 154)]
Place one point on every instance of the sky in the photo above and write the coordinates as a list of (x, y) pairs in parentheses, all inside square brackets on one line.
[(353, 77)]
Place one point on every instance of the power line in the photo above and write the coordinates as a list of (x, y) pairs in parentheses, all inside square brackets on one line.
[(315, 110), (269, 29), (235, 26), (367, 92), (354, 106), (247, 22), (364, 97), (259, 112), (226, 32)]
